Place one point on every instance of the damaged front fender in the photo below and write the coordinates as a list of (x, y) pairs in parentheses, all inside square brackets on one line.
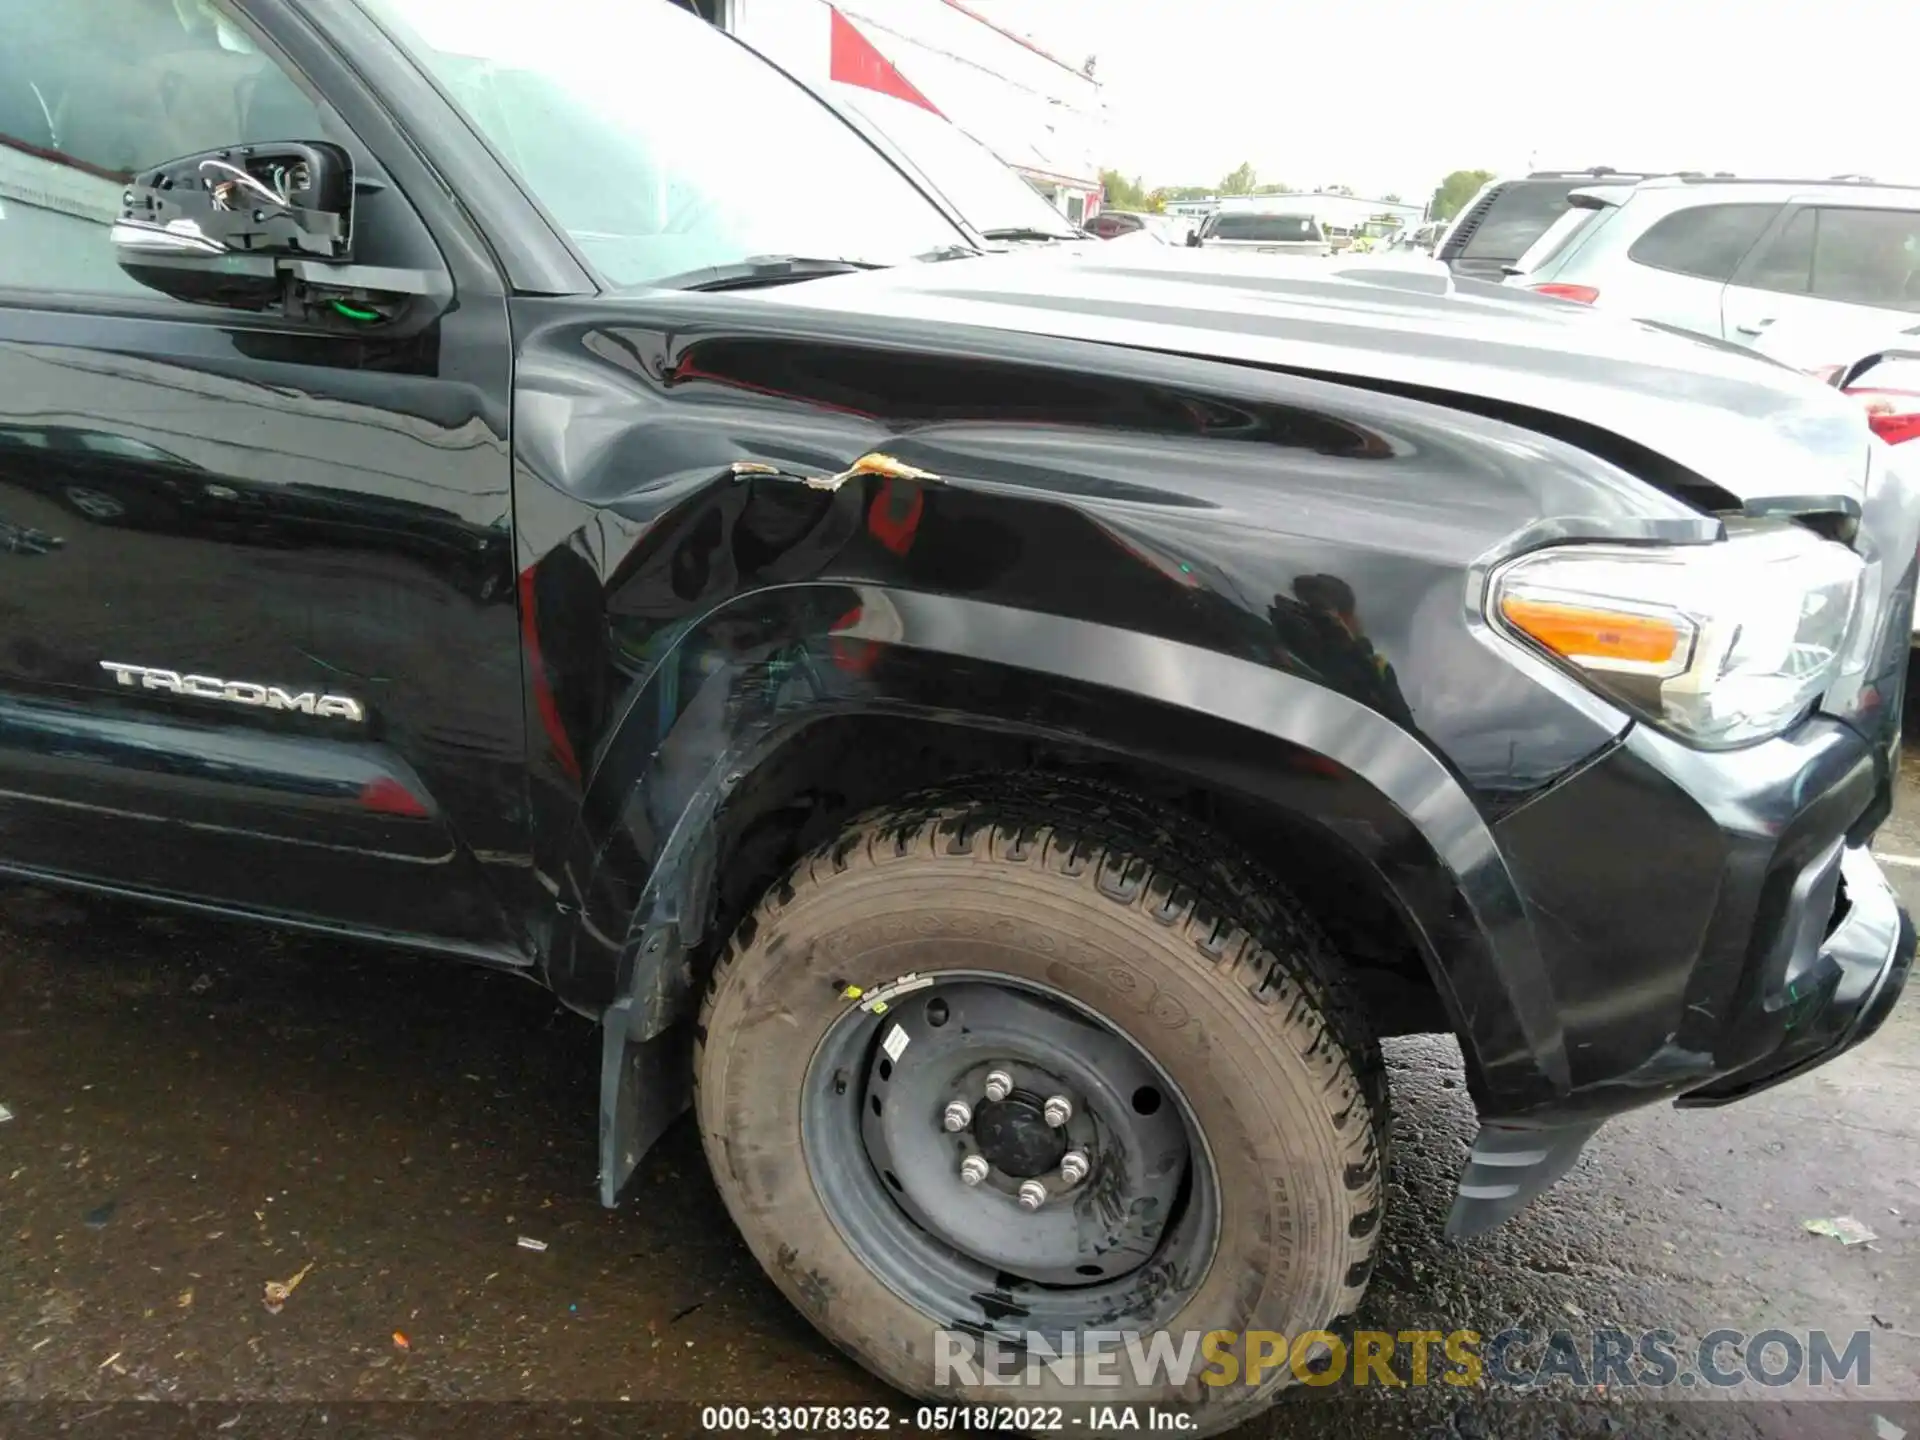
[(734, 695), (738, 548)]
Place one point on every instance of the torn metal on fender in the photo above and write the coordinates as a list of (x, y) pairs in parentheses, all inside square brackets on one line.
[(883, 467)]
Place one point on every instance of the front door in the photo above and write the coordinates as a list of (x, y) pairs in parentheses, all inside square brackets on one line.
[(1855, 268), (258, 647)]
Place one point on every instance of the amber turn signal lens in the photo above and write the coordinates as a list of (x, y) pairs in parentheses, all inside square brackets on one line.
[(1605, 639)]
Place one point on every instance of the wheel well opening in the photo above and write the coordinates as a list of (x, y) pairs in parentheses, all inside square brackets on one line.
[(841, 766)]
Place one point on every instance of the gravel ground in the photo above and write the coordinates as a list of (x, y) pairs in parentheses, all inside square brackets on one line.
[(201, 1108)]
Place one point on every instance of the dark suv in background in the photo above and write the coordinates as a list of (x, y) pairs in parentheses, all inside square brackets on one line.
[(1507, 216)]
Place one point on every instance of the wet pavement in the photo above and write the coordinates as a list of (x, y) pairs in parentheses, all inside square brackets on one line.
[(201, 1108)]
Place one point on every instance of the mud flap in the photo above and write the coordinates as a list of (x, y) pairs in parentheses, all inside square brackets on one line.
[(644, 1087), (1507, 1168)]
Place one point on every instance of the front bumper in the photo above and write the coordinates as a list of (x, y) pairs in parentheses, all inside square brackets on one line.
[(1855, 977), (1708, 925), (1842, 994), (1311, 248)]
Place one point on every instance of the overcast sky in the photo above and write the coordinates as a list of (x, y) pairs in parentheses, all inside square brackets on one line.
[(1389, 95)]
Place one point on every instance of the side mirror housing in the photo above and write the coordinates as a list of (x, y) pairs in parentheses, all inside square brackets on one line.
[(267, 228), (213, 228)]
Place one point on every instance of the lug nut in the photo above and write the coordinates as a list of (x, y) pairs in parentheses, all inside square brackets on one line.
[(973, 1170), (957, 1116), (1073, 1166), (1032, 1194), (999, 1085), (1058, 1110)]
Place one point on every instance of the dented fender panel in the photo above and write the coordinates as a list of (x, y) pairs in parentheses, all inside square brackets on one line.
[(732, 527), (667, 449), (640, 867)]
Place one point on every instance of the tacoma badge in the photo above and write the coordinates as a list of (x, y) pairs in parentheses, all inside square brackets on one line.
[(238, 692)]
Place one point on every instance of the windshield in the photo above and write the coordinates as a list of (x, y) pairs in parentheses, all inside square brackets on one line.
[(659, 145), (1273, 229), (987, 193)]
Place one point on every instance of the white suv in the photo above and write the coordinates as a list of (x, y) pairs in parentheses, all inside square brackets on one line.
[(1730, 258)]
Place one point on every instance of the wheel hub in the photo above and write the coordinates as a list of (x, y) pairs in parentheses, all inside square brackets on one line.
[(1015, 1139), (1026, 1137)]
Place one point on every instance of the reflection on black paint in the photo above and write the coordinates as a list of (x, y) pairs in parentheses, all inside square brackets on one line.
[(110, 479), (1320, 629), (934, 388)]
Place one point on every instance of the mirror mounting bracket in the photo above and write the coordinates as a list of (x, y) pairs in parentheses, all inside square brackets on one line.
[(291, 199), (267, 228)]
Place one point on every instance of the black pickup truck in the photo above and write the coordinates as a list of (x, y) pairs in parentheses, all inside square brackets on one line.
[(1002, 736)]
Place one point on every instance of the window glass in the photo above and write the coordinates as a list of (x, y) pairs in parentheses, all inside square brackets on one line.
[(123, 447), (1519, 215), (1787, 263), (93, 90), (1274, 229), (1707, 241), (974, 181), (661, 146), (1559, 238), (1868, 257)]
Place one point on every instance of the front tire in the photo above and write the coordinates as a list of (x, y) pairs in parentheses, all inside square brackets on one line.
[(1071, 940)]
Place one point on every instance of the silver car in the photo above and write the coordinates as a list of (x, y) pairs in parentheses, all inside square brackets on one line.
[(1731, 258), (1822, 344), (1266, 232)]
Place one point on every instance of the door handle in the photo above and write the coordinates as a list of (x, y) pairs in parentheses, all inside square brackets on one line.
[(1755, 327)]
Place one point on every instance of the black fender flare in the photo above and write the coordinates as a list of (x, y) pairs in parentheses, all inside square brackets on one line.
[(727, 693)]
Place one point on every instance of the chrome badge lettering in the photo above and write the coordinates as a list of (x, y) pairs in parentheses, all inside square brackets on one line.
[(237, 692)]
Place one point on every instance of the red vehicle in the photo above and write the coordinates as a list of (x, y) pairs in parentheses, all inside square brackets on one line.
[(1109, 224), (1113, 224)]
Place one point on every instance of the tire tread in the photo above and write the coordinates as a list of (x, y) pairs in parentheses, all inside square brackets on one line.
[(1180, 874)]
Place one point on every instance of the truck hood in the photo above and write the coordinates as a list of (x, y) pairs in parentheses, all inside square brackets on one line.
[(1771, 437)]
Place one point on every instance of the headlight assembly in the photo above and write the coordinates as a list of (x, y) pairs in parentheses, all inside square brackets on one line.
[(1722, 644)]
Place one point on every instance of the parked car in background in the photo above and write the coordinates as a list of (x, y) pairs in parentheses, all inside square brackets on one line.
[(1109, 224), (1420, 238), (1887, 383), (1826, 341), (1174, 229), (1267, 232), (1123, 224), (1508, 216), (1880, 370), (1733, 258), (1883, 374)]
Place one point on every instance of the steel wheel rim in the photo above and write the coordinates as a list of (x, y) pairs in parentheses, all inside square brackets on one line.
[(972, 1254)]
